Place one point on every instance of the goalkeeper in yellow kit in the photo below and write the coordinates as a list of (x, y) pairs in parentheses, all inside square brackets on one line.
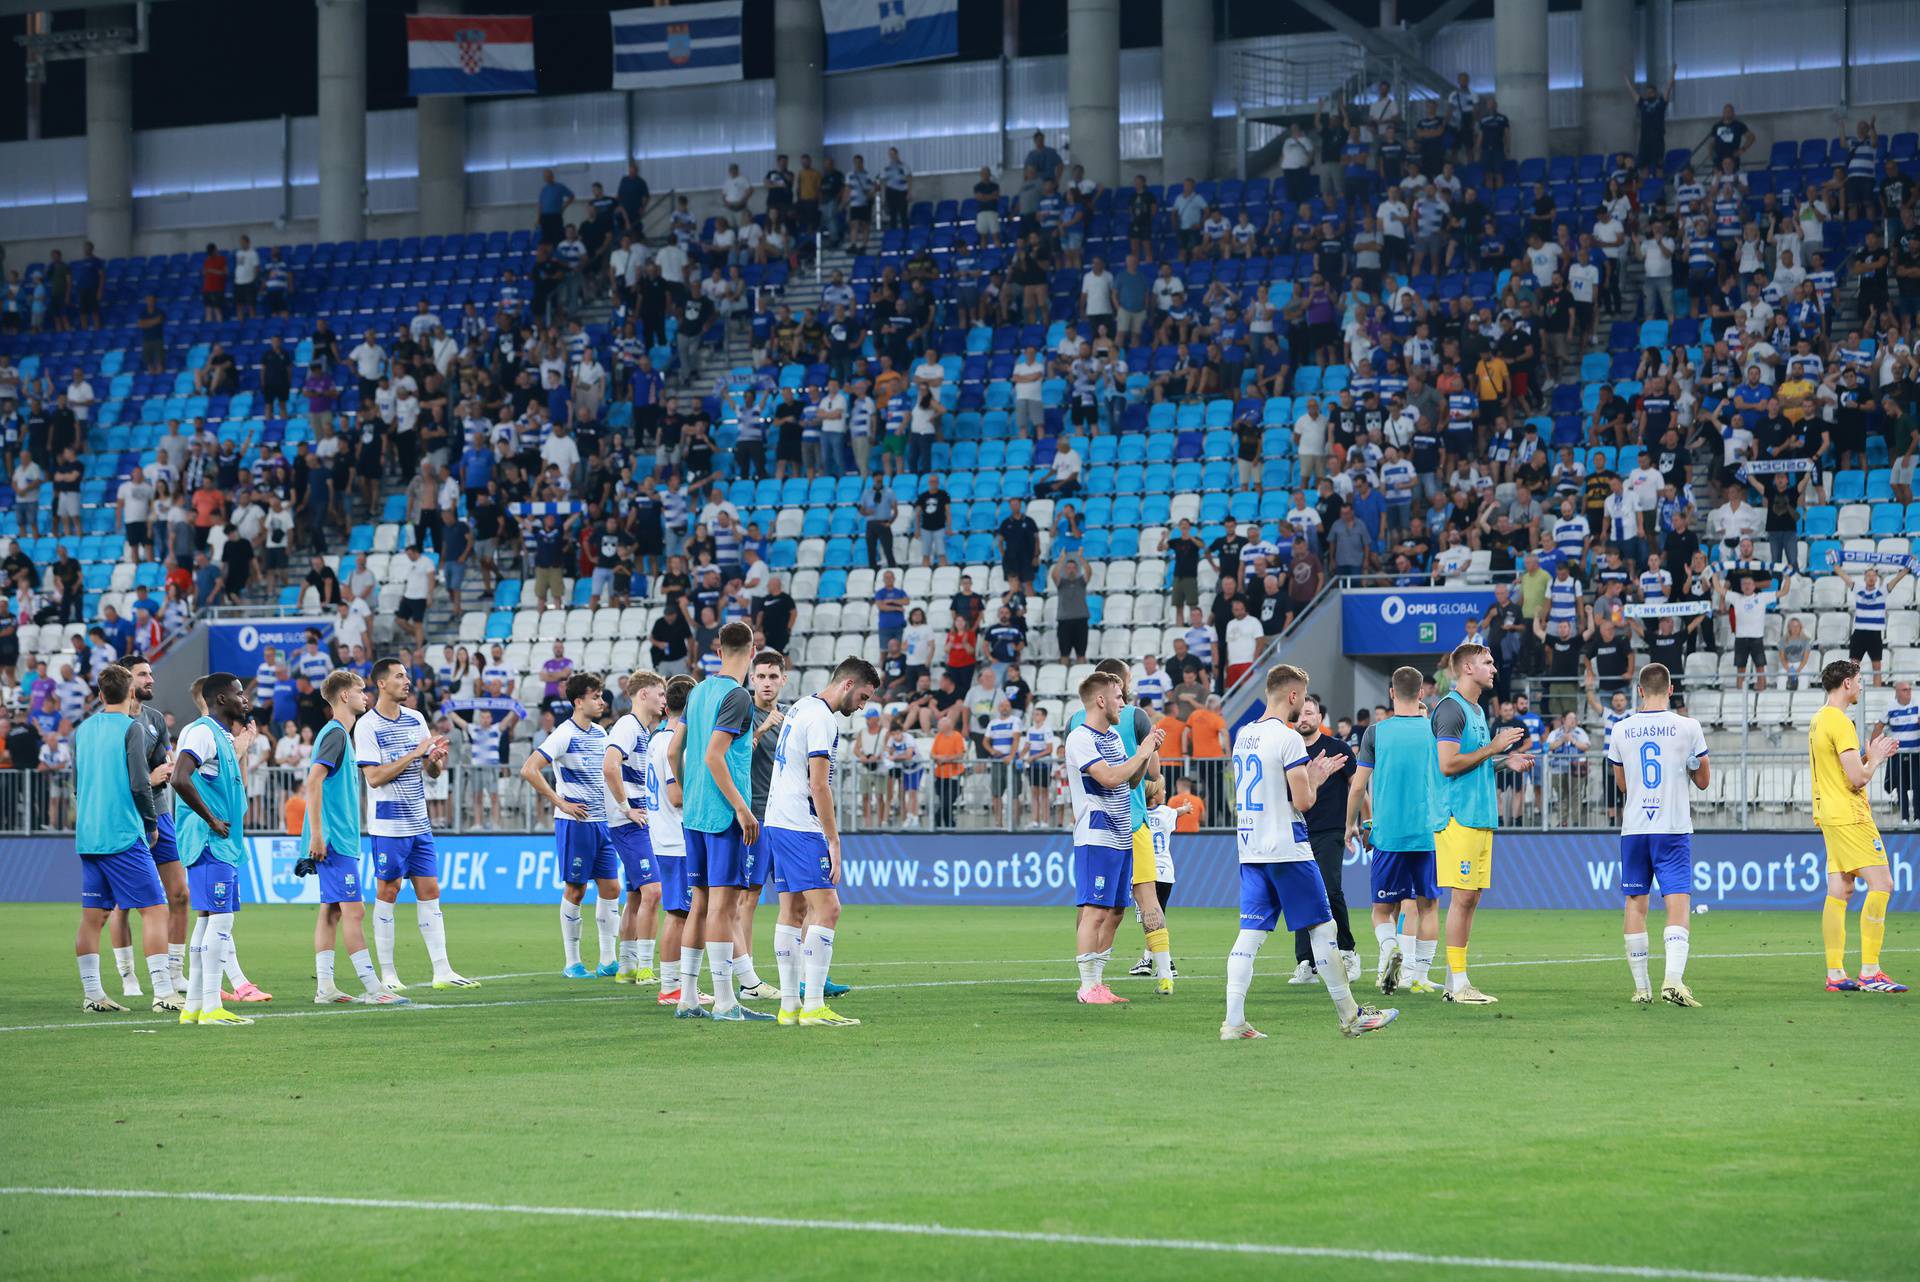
[(1841, 776)]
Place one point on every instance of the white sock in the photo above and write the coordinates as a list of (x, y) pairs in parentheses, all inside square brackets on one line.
[(570, 931), (669, 976), (1246, 947), (323, 969), (606, 916), (1089, 964), (218, 942), (1409, 946), (1162, 964), (786, 959), (1384, 933), (123, 961), (363, 967), (197, 976), (744, 972), (720, 962), (1677, 939), (383, 935), (230, 957), (1637, 958), (819, 950), (1423, 958), (90, 976), (161, 974), (1326, 959), (629, 954), (433, 933), (643, 953), (177, 964), (1100, 960), (689, 976)]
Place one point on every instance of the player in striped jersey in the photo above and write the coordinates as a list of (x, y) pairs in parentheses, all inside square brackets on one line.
[(395, 751), (625, 769), (802, 837), (577, 751), (1903, 724), (663, 795), (1652, 755), (1101, 778), (766, 678), (1869, 639), (1275, 783)]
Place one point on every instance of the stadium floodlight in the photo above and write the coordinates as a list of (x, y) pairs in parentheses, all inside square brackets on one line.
[(89, 41)]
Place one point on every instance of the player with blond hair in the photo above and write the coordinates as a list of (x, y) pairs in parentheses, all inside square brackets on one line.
[(1842, 772)]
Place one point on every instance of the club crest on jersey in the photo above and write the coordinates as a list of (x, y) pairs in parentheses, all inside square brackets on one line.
[(1099, 883)]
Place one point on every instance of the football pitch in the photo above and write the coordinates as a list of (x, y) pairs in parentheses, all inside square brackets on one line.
[(980, 1124)]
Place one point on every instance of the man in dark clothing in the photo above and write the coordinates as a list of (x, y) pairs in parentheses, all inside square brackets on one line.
[(1327, 832), (775, 616), (1019, 540)]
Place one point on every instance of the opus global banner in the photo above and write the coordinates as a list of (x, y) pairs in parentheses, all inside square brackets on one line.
[(236, 647), (1409, 620), (1731, 870)]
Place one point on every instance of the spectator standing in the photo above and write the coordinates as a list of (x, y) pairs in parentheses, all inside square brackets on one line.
[(1071, 611), (1902, 721), (553, 200)]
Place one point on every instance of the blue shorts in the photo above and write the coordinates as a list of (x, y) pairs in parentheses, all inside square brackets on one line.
[(126, 880), (213, 886), (635, 847), (760, 869), (718, 858), (585, 851), (1102, 876), (675, 896), (800, 860), (396, 858), (1667, 856), (164, 851), (340, 879), (1399, 875), (1294, 889)]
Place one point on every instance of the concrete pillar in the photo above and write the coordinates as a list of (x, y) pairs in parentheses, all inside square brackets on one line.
[(110, 144), (799, 80), (342, 56), (1186, 89), (1093, 87), (441, 122), (1607, 118), (1520, 73), (1660, 43)]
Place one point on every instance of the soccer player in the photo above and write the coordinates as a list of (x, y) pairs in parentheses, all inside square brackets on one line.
[(681, 932), (1161, 819), (717, 815), (173, 878), (802, 837), (1102, 772), (577, 751), (1841, 776), (769, 673), (212, 837), (1463, 846), (330, 835), (395, 753), (1396, 781), (114, 821), (625, 770), (1133, 724), (1275, 784), (1653, 753)]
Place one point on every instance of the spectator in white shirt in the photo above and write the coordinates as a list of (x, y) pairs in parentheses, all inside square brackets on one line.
[(1096, 295), (1029, 372), (416, 593), (1656, 261), (246, 278)]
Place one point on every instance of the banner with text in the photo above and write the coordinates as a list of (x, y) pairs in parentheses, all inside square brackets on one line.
[(1731, 870), (1409, 620), (236, 647)]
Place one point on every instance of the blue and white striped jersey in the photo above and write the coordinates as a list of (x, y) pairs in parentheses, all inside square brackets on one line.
[(399, 806), (576, 752)]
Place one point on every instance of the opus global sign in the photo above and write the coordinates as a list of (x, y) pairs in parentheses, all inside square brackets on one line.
[(1409, 620)]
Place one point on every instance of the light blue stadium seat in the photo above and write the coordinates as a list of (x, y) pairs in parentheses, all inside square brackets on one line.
[(1819, 521), (1880, 485), (1849, 487), (1219, 413)]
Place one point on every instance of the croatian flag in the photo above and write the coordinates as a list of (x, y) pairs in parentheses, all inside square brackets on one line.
[(881, 33), (682, 44), (468, 55)]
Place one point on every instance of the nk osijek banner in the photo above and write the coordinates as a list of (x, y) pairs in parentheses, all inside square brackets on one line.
[(862, 34)]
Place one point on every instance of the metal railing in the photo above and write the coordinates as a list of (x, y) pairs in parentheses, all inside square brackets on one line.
[(1564, 790)]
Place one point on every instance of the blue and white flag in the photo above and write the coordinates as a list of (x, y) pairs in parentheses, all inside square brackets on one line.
[(882, 33), (469, 55), (682, 44)]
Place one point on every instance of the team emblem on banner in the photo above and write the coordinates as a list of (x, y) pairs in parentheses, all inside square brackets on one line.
[(472, 43), (679, 44)]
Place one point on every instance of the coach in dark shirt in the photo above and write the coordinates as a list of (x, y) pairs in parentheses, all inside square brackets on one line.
[(1327, 823)]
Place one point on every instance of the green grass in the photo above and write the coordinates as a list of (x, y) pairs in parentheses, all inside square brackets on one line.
[(1769, 1133)]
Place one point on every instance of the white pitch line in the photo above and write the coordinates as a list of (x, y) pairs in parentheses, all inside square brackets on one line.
[(1566, 1268), (399, 1012)]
